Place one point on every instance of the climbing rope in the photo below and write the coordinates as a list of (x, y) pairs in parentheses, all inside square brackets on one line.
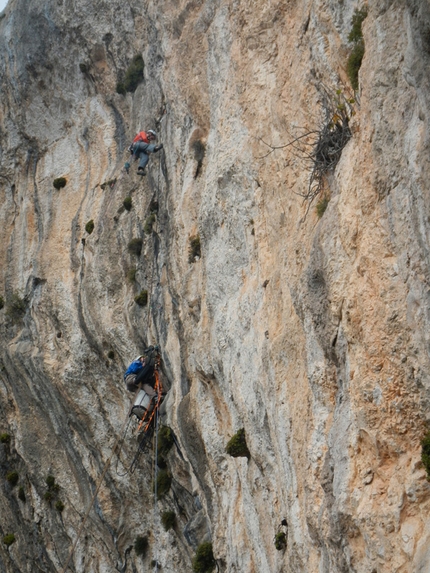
[(154, 517)]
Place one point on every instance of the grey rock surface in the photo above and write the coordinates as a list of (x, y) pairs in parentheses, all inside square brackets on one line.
[(311, 333)]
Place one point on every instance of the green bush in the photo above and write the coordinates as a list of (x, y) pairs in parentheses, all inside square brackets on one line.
[(168, 520), (280, 541), (59, 182), (1, 302), (128, 203), (204, 560), (425, 453), (120, 88), (21, 494), (194, 248), (353, 64), (133, 75), (89, 227), (321, 206), (9, 539), (5, 438), (16, 307), (141, 545), (236, 446), (357, 53), (131, 275), (135, 246), (356, 33), (50, 481), (142, 298), (59, 506), (164, 481), (165, 440), (48, 496), (149, 222), (12, 478)]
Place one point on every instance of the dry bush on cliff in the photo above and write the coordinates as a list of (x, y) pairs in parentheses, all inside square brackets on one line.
[(321, 147)]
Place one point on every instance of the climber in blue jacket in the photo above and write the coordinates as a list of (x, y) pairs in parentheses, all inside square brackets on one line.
[(140, 375)]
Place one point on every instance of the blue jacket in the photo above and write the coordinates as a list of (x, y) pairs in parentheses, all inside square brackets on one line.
[(134, 368)]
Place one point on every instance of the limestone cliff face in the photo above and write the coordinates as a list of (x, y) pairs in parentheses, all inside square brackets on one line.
[(310, 333)]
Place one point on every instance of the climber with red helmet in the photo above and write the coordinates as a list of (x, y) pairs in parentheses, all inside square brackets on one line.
[(142, 146)]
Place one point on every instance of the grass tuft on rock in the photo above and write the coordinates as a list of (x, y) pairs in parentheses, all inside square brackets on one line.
[(12, 478), (164, 481), (5, 438), (142, 298), (128, 203), (425, 453), (355, 37), (280, 541), (133, 76), (165, 440), (9, 539), (236, 446), (59, 505), (89, 227), (204, 560), (135, 246), (321, 206), (141, 545), (149, 222), (131, 275), (168, 520), (16, 307), (59, 182), (194, 249)]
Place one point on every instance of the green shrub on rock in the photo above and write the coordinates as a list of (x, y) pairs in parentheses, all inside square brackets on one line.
[(168, 520), (128, 203), (149, 222), (16, 307), (280, 541), (59, 505), (134, 74), (164, 481), (194, 249), (135, 246), (5, 438), (425, 453), (165, 440), (141, 545), (357, 53), (89, 227), (236, 446), (142, 298), (204, 561), (9, 539), (12, 478), (59, 182)]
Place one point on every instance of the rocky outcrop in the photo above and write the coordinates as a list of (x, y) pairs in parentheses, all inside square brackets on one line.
[(309, 332)]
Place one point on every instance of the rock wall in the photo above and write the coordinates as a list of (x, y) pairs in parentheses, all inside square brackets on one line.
[(309, 332)]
